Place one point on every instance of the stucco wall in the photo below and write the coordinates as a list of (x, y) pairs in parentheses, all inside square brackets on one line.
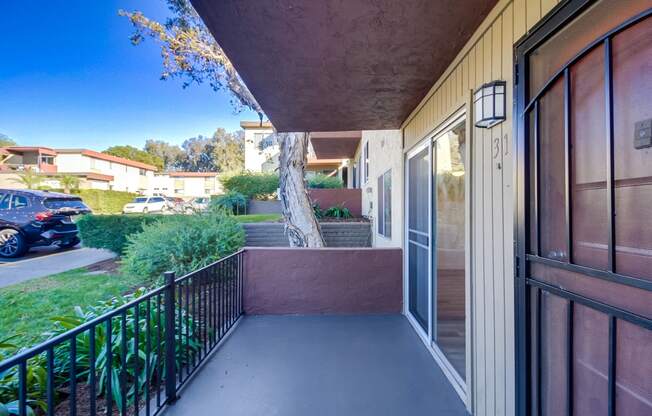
[(326, 198), (256, 160), (385, 153), (322, 281)]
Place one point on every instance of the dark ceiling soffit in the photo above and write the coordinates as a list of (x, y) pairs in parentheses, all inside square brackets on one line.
[(334, 147), (335, 65)]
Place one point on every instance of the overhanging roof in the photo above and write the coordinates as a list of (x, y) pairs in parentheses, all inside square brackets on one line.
[(335, 145), (333, 65)]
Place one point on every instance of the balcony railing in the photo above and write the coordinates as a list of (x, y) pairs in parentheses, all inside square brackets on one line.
[(123, 360)]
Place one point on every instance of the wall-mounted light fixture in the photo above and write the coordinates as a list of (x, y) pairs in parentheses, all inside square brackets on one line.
[(489, 104)]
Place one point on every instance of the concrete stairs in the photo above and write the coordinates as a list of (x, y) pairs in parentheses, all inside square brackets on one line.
[(345, 234)]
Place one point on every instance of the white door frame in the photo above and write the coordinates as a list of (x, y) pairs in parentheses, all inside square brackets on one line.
[(461, 386)]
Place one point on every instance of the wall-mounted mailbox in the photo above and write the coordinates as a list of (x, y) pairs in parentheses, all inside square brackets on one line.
[(643, 134)]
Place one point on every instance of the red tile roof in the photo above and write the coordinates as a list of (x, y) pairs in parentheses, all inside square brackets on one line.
[(110, 158), (192, 174), (43, 150)]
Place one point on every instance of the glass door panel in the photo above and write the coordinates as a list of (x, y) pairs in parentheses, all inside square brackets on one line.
[(418, 236), (450, 226)]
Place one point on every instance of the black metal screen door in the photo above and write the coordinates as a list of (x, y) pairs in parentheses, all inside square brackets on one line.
[(584, 213)]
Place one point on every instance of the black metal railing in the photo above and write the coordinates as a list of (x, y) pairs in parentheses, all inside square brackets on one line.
[(133, 359)]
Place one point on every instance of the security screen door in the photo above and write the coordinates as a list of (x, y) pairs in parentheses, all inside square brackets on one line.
[(584, 226)]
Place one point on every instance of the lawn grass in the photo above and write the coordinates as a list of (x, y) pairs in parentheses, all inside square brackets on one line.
[(26, 308), (257, 218)]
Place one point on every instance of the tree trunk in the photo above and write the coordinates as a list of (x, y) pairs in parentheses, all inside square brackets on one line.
[(301, 225)]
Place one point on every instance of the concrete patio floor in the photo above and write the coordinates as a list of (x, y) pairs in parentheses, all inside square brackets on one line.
[(320, 365)]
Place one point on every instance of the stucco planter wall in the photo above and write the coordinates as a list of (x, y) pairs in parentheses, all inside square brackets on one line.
[(322, 281)]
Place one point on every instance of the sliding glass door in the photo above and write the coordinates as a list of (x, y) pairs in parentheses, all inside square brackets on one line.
[(436, 236), (450, 255), (418, 236)]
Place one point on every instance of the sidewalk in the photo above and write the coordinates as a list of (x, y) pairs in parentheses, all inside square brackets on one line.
[(57, 262)]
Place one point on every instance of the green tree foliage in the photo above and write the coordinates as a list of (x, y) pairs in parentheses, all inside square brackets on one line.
[(190, 52), (6, 141), (252, 185), (224, 152), (228, 151), (168, 153), (130, 152)]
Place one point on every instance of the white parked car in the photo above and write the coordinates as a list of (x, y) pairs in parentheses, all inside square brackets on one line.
[(144, 205), (197, 204)]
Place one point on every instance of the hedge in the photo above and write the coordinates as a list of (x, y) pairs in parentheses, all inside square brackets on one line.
[(252, 185), (265, 185), (111, 231), (323, 181), (101, 201)]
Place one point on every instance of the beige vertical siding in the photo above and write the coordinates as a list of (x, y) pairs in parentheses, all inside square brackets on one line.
[(488, 56)]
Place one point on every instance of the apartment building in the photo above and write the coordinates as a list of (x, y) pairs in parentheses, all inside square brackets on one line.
[(261, 150), (185, 184), (95, 170)]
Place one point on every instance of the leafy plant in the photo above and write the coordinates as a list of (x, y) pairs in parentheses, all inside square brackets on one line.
[(252, 185), (133, 356), (35, 381), (338, 211), (68, 182), (319, 213), (232, 201), (181, 244), (29, 178), (322, 181)]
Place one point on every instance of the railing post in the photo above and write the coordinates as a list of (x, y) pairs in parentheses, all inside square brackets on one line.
[(170, 340)]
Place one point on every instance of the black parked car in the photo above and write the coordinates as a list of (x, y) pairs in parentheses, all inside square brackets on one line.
[(37, 218)]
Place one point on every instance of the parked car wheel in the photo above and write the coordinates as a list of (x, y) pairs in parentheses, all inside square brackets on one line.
[(145, 210), (70, 243), (12, 243)]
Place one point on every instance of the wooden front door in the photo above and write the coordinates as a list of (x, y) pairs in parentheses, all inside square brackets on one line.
[(584, 216)]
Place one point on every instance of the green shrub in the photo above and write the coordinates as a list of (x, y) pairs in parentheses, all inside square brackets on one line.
[(111, 231), (338, 211), (181, 244), (252, 185), (232, 201), (100, 201), (325, 182)]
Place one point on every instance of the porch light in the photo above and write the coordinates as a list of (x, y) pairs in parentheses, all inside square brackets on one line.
[(489, 104)]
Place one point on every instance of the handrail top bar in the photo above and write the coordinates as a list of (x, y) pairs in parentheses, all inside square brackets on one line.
[(59, 339), (189, 275), (613, 32)]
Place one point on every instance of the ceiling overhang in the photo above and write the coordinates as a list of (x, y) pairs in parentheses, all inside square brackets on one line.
[(335, 145), (334, 65)]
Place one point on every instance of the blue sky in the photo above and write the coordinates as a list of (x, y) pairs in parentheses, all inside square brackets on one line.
[(69, 77)]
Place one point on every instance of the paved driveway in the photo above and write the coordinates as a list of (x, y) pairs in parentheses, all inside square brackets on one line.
[(42, 263)]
